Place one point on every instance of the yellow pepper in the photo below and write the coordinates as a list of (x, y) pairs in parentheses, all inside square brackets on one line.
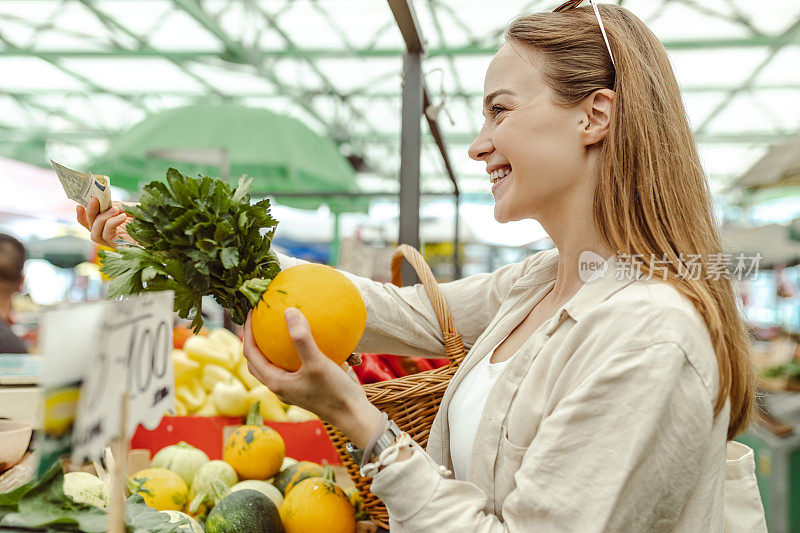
[(191, 394), (229, 341), (270, 404), (230, 398), (207, 409), (180, 408), (185, 368), (205, 351), (243, 373), (297, 414), (213, 374)]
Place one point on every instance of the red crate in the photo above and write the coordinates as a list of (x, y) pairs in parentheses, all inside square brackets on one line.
[(305, 441)]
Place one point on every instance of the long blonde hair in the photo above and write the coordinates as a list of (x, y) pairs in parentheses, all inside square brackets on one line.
[(651, 196)]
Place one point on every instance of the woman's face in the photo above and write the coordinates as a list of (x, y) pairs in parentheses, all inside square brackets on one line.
[(526, 136)]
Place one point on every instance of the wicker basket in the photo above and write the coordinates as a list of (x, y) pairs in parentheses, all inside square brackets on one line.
[(411, 401)]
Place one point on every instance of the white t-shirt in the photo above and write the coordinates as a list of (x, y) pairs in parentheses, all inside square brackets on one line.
[(464, 412)]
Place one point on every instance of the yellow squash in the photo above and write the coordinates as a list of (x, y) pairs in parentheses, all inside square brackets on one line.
[(254, 451), (317, 504), (162, 489)]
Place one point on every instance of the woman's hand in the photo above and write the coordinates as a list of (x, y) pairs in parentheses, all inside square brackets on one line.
[(320, 386), (107, 226)]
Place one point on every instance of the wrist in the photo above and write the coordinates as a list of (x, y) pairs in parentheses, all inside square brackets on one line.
[(359, 422)]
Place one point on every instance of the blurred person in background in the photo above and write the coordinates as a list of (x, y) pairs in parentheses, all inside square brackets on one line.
[(12, 260)]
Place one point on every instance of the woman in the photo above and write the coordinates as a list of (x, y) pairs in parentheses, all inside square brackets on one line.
[(598, 402)]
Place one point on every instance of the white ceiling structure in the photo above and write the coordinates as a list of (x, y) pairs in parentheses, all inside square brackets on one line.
[(76, 73)]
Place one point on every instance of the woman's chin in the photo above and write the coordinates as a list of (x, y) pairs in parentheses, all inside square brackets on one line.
[(500, 214)]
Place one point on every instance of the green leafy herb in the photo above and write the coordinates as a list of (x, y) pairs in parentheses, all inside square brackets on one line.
[(196, 237)]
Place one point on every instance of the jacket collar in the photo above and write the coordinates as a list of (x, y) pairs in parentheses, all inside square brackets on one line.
[(613, 277)]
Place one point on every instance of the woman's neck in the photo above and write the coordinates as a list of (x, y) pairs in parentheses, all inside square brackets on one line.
[(574, 238)]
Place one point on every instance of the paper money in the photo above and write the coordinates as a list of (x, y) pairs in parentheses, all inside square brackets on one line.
[(83, 187)]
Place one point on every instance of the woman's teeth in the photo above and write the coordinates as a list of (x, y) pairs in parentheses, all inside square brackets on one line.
[(499, 173)]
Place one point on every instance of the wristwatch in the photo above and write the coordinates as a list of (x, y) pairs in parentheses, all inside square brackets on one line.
[(386, 439)]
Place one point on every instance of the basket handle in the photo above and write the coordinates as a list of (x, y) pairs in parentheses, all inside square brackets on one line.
[(454, 347)]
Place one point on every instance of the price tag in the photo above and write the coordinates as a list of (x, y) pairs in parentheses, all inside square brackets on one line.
[(132, 353)]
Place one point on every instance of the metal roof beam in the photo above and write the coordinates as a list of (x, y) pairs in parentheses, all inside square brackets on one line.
[(363, 93), (80, 77), (385, 138), (791, 33), (328, 53), (110, 22), (354, 110), (236, 52)]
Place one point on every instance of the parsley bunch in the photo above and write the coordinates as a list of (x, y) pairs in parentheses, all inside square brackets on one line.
[(196, 237)]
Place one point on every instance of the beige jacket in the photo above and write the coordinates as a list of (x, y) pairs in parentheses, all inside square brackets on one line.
[(603, 421)]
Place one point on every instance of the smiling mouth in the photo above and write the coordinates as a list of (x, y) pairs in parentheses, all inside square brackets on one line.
[(499, 174)]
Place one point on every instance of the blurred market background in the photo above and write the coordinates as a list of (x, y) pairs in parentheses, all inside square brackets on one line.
[(307, 96)]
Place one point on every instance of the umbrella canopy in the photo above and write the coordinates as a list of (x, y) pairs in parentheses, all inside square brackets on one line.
[(772, 241), (65, 251), (281, 153), (779, 167)]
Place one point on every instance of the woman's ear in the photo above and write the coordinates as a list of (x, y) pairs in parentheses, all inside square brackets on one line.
[(596, 109)]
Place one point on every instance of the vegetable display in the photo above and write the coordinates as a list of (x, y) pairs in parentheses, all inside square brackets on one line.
[(212, 379), (313, 503), (42, 503), (196, 237)]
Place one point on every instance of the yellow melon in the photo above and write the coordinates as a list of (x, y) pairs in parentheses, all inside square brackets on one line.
[(331, 303)]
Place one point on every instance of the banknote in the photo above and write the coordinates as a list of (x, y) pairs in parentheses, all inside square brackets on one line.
[(83, 187)]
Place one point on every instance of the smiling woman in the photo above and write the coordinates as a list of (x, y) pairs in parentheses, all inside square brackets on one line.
[(599, 403)]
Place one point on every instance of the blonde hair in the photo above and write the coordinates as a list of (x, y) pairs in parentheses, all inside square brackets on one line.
[(651, 195)]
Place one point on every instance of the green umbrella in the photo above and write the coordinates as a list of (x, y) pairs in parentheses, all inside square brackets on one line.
[(281, 153)]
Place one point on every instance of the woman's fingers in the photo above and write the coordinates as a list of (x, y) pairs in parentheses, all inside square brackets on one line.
[(300, 333), (267, 373), (81, 216), (92, 210), (99, 225), (110, 228)]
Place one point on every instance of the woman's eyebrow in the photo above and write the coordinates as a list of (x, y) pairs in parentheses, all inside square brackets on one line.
[(487, 100)]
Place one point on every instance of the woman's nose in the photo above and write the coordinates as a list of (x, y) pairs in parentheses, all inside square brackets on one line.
[(481, 147)]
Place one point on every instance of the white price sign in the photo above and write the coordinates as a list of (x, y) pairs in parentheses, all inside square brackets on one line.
[(133, 355)]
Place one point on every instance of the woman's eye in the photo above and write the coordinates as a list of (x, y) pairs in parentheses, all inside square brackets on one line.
[(496, 110)]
